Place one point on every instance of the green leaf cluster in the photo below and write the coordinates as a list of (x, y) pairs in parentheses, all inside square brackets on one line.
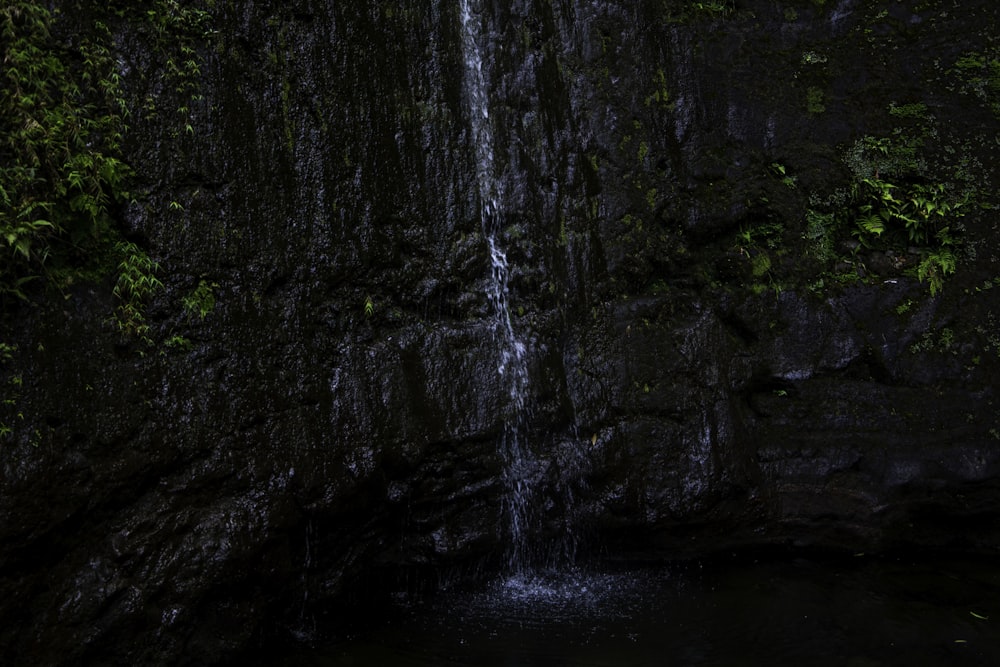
[(176, 28), (908, 195), (136, 284), (918, 209), (62, 118), (201, 301), (63, 115), (689, 10), (713, 7), (979, 74)]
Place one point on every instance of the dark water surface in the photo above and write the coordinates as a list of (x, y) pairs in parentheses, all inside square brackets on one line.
[(859, 613)]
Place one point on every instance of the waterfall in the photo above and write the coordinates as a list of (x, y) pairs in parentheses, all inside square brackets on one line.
[(517, 459)]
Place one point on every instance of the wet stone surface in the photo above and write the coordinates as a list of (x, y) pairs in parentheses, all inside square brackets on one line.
[(706, 368)]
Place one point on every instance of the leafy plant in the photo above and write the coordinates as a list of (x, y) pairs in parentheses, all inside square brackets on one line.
[(760, 264), (820, 229), (917, 209), (176, 28), (814, 101), (136, 284), (63, 116), (758, 244), (901, 199), (781, 171), (11, 393), (201, 301), (714, 7), (884, 157), (980, 76), (177, 342), (917, 110), (935, 267), (60, 131)]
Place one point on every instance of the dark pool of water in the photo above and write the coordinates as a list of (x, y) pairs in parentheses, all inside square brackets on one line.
[(860, 613)]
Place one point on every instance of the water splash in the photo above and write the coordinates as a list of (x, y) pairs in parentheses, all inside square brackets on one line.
[(518, 461)]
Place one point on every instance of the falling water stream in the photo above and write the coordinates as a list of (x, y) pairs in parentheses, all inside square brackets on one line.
[(749, 612), (512, 369)]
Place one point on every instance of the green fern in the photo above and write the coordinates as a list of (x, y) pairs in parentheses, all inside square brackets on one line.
[(872, 223), (935, 267)]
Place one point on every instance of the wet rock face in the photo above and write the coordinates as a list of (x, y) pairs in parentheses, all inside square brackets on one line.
[(330, 427)]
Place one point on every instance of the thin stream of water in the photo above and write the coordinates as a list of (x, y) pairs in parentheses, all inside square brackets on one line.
[(861, 613), (512, 369)]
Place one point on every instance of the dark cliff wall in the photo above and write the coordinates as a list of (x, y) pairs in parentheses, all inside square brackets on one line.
[(702, 376)]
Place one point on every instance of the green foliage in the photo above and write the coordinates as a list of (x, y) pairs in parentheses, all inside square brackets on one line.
[(369, 306), (760, 264), (201, 301), (916, 209), (917, 110), (714, 7), (660, 97), (907, 192), (894, 187), (177, 342), (61, 124), (177, 28), (685, 10), (781, 171), (919, 214), (820, 229), (63, 115), (884, 157), (11, 392), (979, 74), (935, 267), (945, 342), (814, 101), (136, 284), (758, 244)]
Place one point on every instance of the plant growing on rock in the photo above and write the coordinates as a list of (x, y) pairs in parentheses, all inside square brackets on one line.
[(907, 212), (814, 101), (201, 301), (980, 76), (62, 120), (900, 200), (714, 7), (136, 284), (61, 125), (916, 209), (694, 9), (176, 28)]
